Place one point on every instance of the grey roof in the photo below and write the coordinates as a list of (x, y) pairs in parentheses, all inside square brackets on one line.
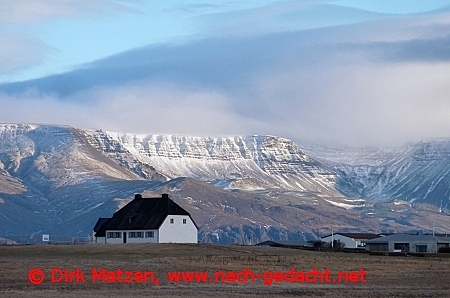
[(409, 238), (355, 235)]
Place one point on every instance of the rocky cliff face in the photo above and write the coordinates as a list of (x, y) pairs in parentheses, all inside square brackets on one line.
[(272, 161)]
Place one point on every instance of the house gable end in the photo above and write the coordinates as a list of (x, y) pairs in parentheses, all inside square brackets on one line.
[(144, 214)]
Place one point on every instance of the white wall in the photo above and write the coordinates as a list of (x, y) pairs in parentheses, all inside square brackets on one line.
[(349, 242), (133, 240), (114, 240), (101, 240), (143, 240), (177, 232)]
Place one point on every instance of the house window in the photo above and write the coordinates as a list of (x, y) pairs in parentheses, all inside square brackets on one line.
[(421, 248), (184, 220), (171, 220), (403, 247), (149, 234), (114, 235), (136, 234)]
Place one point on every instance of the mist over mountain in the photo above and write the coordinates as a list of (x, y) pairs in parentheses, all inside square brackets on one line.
[(414, 172), (241, 189)]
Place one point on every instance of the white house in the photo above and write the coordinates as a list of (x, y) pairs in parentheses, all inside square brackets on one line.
[(147, 220), (351, 240)]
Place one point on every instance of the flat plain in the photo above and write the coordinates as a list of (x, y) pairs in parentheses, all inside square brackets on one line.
[(386, 276)]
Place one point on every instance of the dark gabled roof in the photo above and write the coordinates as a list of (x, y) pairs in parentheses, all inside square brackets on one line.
[(142, 214), (356, 235), (100, 222)]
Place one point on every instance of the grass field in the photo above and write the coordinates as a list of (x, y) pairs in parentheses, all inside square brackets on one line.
[(385, 276)]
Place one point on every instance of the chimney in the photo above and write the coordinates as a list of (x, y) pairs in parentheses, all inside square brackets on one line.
[(138, 196), (164, 196)]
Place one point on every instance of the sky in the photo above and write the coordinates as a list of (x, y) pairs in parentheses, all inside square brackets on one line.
[(332, 73)]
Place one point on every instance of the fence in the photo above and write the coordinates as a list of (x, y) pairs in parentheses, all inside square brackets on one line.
[(29, 239)]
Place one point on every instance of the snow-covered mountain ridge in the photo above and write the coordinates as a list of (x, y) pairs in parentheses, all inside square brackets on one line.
[(66, 155), (417, 171), (61, 179), (276, 162)]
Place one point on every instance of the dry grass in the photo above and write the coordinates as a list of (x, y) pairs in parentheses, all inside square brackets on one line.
[(386, 276)]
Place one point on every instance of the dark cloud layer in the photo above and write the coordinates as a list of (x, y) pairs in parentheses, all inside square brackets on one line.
[(423, 49), (216, 63)]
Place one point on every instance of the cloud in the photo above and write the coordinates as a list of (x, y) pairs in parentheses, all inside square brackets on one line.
[(32, 11), (378, 82), (145, 107), (137, 108), (360, 105), (367, 104), (419, 38), (20, 51), (424, 49), (280, 17), (195, 8)]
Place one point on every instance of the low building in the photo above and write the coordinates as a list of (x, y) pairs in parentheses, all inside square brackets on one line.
[(286, 243), (351, 240), (147, 220), (407, 243)]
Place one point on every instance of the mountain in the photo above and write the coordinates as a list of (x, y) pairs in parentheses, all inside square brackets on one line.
[(271, 161), (241, 189), (416, 172)]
